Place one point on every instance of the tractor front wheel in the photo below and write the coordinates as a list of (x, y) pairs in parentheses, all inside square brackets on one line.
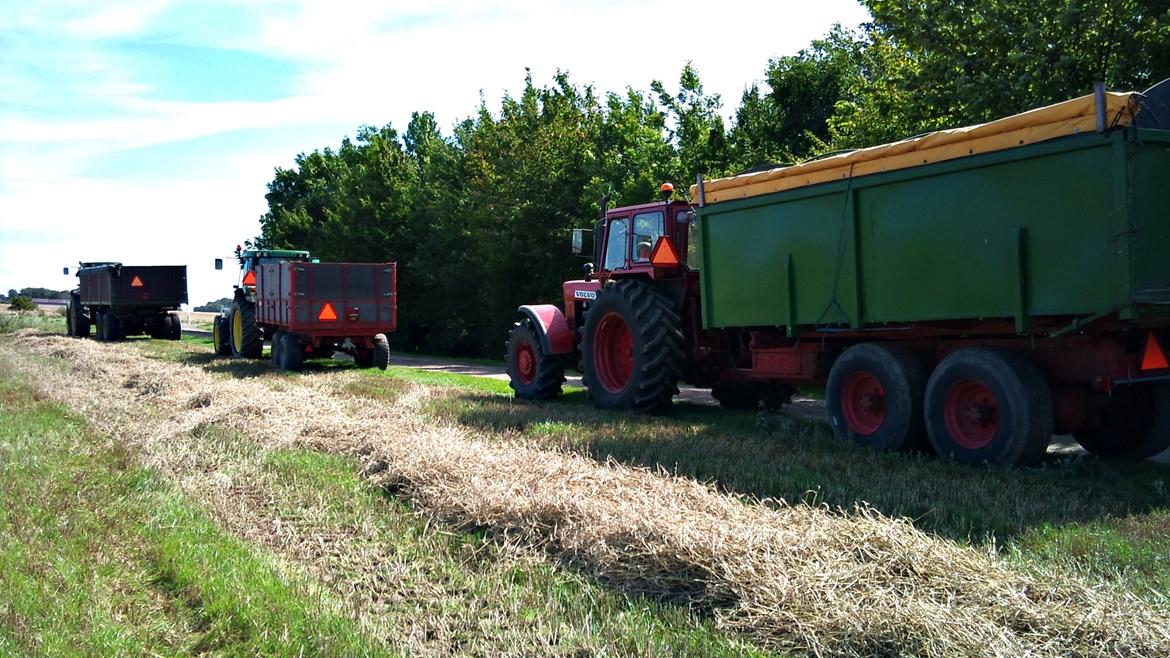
[(532, 374), (246, 339), (632, 348), (221, 336)]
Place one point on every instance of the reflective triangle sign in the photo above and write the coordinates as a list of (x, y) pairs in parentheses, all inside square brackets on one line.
[(327, 313), (136, 282)]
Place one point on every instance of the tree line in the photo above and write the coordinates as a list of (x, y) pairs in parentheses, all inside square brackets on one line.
[(479, 218)]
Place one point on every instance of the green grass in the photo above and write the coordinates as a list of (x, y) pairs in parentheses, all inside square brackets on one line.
[(101, 557), (97, 552), (1105, 520), (40, 320)]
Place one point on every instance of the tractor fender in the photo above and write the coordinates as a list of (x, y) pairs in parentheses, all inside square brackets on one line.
[(550, 323)]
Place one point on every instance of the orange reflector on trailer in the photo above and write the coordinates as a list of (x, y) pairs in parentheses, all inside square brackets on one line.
[(664, 254), (250, 278), (1154, 358), (136, 282), (327, 313)]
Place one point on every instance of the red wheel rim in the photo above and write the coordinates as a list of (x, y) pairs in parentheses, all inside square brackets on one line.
[(972, 414), (863, 402), (613, 353), (525, 363)]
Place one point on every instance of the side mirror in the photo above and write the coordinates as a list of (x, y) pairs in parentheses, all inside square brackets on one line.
[(688, 218), (579, 246), (65, 271), (219, 263)]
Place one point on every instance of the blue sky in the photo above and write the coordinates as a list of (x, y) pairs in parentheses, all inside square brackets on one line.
[(145, 130)]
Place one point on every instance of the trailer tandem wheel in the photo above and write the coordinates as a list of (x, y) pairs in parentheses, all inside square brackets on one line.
[(874, 397), (532, 374), (1134, 425), (988, 405), (631, 349), (292, 355)]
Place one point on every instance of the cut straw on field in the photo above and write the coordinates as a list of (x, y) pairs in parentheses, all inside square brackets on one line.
[(810, 579)]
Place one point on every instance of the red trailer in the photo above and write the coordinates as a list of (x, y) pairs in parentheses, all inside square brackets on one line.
[(310, 309)]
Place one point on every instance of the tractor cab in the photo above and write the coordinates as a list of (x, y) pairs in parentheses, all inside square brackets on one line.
[(648, 239), (250, 259)]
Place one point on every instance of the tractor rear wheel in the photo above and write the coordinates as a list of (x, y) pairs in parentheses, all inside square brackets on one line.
[(246, 339), (874, 397), (989, 406), (1134, 425), (221, 336), (632, 348), (532, 374)]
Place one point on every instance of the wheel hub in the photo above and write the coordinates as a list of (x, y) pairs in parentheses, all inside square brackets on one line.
[(526, 363), (613, 353), (863, 402), (972, 414)]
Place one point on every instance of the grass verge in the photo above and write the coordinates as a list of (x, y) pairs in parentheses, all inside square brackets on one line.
[(98, 553)]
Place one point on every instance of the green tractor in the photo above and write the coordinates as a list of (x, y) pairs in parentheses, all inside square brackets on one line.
[(235, 332)]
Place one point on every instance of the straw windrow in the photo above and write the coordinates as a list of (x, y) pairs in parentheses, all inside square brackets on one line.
[(828, 583)]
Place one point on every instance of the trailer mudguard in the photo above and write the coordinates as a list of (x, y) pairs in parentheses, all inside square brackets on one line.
[(550, 323)]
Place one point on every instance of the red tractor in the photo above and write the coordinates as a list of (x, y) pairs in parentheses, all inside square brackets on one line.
[(631, 327)]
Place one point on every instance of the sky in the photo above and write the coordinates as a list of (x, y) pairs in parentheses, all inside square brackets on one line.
[(145, 131)]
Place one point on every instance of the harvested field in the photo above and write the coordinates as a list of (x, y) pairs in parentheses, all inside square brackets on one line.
[(784, 577)]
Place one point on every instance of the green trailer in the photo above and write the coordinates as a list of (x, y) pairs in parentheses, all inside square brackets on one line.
[(970, 291)]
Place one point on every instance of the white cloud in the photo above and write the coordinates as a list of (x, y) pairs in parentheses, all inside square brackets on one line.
[(67, 101)]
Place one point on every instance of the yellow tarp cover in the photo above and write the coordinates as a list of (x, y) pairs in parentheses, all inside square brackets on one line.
[(1068, 118)]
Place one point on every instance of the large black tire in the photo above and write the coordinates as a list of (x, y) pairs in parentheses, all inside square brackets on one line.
[(632, 348), (532, 374), (81, 319), (117, 328), (874, 397), (381, 352), (274, 352), (221, 341), (69, 312), (246, 339), (989, 406), (1135, 425), (103, 326), (174, 327), (292, 355)]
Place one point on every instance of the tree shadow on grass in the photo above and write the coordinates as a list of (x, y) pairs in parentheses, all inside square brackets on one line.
[(780, 456)]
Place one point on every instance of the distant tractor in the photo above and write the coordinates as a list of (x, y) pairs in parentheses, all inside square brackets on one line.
[(127, 300), (308, 309), (971, 291)]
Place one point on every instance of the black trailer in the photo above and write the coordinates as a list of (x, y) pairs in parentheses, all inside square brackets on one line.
[(127, 300)]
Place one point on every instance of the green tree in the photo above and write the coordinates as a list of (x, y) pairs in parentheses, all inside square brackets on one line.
[(696, 128), (21, 303), (975, 60)]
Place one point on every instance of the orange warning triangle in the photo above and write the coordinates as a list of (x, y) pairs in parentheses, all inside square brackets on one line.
[(135, 282), (250, 278), (664, 254), (1153, 358), (327, 313)]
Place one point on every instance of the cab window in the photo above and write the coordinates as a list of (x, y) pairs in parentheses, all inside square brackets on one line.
[(647, 230), (615, 245)]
